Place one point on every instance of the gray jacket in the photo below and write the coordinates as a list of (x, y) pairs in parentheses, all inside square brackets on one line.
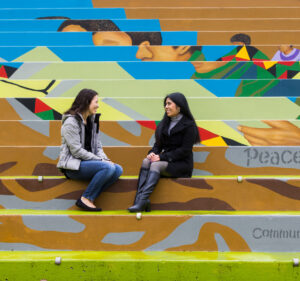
[(72, 149)]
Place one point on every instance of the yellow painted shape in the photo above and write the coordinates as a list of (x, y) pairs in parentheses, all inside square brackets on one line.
[(14, 91), (243, 54), (38, 54), (217, 141), (222, 129), (107, 112), (269, 64)]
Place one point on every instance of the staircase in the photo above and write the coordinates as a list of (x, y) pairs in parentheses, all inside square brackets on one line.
[(237, 218)]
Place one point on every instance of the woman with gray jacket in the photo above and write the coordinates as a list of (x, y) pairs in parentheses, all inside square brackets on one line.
[(81, 154)]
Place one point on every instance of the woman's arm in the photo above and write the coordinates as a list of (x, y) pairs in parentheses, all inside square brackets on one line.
[(183, 150), (71, 134)]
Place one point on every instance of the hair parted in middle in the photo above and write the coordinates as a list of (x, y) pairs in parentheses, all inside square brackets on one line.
[(180, 100), (82, 101)]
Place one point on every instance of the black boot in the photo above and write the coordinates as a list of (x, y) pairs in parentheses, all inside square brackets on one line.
[(141, 180), (143, 203)]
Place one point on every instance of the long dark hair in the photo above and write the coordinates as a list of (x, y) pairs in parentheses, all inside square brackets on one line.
[(82, 101), (180, 100)]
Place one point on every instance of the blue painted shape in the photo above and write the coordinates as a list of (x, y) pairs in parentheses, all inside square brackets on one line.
[(81, 38), (96, 53), (221, 88), (82, 13), (46, 4), (11, 53), (212, 53), (12, 64), (289, 87), (29, 25), (54, 24), (292, 99), (159, 70), (46, 39), (174, 38), (138, 25)]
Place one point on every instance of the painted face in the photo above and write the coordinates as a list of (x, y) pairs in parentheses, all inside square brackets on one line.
[(286, 49), (147, 52), (73, 28), (93, 106), (171, 108), (111, 38)]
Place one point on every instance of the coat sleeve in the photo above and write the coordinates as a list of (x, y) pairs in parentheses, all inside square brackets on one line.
[(181, 151), (156, 148), (71, 134)]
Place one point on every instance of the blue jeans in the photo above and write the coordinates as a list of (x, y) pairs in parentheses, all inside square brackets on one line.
[(101, 174)]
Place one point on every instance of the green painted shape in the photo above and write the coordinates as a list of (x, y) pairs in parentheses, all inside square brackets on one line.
[(252, 88), (263, 73), (278, 108), (148, 266), (46, 115), (141, 88), (82, 70), (38, 54)]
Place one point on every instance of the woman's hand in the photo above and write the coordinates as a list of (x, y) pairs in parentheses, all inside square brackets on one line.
[(150, 155), (155, 158)]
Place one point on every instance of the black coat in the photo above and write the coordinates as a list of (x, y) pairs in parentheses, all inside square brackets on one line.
[(176, 148)]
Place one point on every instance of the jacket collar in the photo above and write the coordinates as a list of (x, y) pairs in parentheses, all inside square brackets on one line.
[(182, 124)]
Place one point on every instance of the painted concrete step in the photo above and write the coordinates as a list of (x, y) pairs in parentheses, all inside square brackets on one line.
[(170, 70), (147, 266), (237, 160), (141, 133), (155, 231), (142, 3), (126, 53), (199, 193), (152, 25), (153, 13), (152, 108), (191, 3)]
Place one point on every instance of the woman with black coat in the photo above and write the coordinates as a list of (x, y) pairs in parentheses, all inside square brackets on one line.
[(171, 155)]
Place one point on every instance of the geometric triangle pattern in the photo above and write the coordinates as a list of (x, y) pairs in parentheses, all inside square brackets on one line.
[(40, 106)]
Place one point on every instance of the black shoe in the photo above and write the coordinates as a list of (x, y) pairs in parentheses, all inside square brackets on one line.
[(140, 206), (81, 205)]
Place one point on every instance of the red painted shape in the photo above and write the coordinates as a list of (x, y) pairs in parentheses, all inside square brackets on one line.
[(148, 124), (283, 75), (229, 58), (206, 135), (3, 72), (241, 59), (40, 106), (288, 63), (259, 63)]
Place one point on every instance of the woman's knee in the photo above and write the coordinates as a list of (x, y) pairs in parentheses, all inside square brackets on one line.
[(146, 163), (118, 170)]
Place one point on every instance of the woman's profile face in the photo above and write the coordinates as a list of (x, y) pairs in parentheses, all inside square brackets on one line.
[(171, 108), (93, 107)]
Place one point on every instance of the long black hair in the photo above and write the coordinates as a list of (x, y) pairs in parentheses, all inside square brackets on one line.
[(180, 100), (82, 101)]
